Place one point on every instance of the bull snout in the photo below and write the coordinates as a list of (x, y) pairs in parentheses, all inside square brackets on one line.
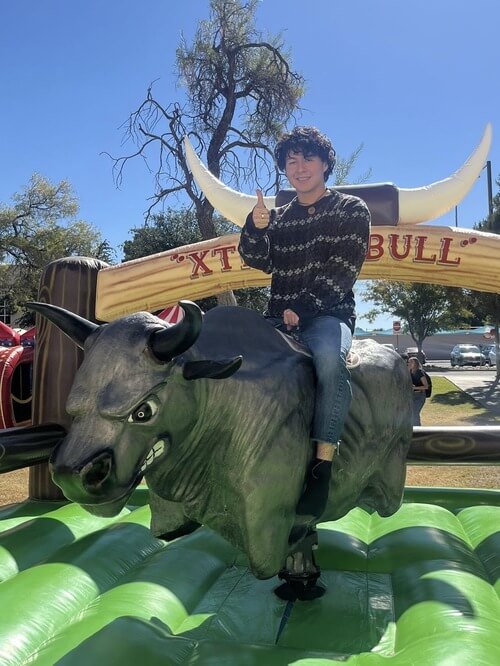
[(89, 482)]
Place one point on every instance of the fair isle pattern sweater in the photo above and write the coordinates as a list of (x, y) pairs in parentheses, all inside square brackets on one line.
[(315, 258)]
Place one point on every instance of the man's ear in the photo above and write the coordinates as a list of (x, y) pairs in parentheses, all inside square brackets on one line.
[(211, 369)]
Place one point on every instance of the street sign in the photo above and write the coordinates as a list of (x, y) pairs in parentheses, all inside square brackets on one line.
[(396, 326)]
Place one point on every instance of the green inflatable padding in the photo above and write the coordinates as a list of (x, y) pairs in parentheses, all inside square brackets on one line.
[(420, 587)]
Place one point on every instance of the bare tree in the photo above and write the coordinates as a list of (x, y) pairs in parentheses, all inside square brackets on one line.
[(240, 93)]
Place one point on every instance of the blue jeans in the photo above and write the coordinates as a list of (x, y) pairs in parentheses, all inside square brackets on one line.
[(329, 339), (418, 403)]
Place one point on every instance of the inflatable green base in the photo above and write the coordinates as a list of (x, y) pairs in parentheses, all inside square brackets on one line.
[(420, 587)]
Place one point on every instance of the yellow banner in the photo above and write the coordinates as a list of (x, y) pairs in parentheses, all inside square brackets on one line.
[(418, 253)]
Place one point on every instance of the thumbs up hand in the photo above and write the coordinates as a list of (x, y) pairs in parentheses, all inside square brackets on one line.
[(260, 214)]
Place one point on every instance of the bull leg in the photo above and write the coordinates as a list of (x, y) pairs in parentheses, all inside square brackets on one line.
[(186, 528), (301, 572), (168, 520)]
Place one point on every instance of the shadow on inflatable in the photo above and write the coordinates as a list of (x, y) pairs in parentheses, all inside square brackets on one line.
[(420, 586)]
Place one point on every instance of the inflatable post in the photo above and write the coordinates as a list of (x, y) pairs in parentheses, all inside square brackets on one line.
[(69, 283)]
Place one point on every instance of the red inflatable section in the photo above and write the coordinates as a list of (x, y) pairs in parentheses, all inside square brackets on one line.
[(27, 339), (172, 315), (8, 337), (16, 370)]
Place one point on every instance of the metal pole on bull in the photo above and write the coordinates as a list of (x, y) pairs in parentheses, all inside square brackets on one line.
[(69, 283)]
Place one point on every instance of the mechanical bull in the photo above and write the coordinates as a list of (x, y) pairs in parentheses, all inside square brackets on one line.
[(219, 444)]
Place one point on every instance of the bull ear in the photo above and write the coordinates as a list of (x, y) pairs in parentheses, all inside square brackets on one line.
[(75, 327), (172, 341), (211, 369)]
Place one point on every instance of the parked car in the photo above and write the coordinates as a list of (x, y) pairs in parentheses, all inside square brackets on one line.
[(466, 355), (413, 351), (486, 348), (485, 353)]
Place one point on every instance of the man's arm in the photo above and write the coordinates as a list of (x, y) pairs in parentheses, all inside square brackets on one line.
[(255, 246)]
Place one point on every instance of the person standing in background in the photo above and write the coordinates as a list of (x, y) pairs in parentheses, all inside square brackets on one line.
[(420, 386)]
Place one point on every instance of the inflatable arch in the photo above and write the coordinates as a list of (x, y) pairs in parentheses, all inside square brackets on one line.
[(419, 587)]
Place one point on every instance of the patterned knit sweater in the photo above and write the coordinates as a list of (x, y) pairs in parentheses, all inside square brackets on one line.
[(314, 257)]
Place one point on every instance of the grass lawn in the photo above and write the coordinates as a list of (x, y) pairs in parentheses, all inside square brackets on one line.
[(448, 406)]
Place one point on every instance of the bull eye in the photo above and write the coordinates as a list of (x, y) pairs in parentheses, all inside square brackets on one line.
[(144, 412)]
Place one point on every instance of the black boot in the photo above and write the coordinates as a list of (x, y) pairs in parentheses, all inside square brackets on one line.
[(315, 496)]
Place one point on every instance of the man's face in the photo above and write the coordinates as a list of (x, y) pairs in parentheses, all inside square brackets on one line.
[(305, 173)]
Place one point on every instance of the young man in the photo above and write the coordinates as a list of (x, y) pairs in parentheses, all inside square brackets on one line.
[(314, 247)]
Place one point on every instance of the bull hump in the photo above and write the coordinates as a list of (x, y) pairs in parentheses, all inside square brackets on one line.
[(230, 330)]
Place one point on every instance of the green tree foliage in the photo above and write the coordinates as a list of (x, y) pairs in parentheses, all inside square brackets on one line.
[(486, 306), (37, 227), (163, 231), (424, 309), (491, 224), (174, 228)]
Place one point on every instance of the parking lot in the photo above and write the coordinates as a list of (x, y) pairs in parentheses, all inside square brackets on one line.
[(446, 365), (437, 347)]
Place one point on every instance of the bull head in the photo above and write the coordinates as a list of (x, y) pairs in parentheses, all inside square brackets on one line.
[(128, 416)]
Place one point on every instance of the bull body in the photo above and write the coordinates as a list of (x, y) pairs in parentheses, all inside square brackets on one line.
[(226, 450)]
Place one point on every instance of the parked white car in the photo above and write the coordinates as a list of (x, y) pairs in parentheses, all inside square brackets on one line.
[(466, 355)]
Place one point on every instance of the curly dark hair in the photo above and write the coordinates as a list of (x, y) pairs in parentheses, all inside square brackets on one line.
[(310, 142)]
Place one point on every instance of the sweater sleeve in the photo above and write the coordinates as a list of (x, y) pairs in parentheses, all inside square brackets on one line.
[(337, 276), (255, 245)]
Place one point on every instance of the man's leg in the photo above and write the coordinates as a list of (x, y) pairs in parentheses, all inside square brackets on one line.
[(329, 340)]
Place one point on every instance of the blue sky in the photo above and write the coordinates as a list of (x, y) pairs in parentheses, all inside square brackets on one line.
[(416, 82)]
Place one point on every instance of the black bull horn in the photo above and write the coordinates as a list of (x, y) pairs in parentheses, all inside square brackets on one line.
[(170, 342), (164, 344)]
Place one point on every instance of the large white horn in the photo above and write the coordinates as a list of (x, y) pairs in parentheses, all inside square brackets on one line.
[(422, 204), (231, 204)]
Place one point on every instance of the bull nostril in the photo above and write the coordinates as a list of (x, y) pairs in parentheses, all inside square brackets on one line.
[(97, 472)]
